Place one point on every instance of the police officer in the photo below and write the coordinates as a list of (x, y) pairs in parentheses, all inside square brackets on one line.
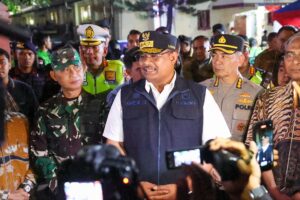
[(27, 69), (234, 94), (60, 129), (161, 113), (102, 75)]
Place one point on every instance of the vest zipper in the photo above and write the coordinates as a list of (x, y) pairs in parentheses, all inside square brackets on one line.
[(158, 150), (95, 84)]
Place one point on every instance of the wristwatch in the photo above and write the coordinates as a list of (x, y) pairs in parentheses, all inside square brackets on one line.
[(27, 188), (258, 192)]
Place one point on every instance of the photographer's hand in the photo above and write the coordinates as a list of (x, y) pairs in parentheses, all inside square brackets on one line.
[(247, 164)]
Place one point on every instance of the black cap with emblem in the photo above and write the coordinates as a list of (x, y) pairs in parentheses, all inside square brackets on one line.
[(155, 42), (227, 43), (26, 45)]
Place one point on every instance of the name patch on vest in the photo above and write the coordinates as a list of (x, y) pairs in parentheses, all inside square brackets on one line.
[(136, 102), (185, 100), (110, 76), (243, 107)]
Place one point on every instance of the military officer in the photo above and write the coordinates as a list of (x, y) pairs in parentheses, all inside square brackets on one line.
[(233, 93), (102, 75), (61, 127)]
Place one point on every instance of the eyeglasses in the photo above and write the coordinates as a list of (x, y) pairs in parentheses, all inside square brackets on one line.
[(290, 56), (95, 49), (154, 57)]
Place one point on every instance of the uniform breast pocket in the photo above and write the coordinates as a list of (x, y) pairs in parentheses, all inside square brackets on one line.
[(240, 121), (57, 127)]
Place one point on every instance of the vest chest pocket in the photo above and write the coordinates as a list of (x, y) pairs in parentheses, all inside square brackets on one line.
[(133, 112), (185, 112), (185, 108), (57, 127)]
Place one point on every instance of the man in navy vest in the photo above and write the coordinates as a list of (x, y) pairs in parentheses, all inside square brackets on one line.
[(163, 112)]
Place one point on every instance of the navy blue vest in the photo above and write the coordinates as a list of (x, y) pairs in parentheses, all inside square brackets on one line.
[(149, 133)]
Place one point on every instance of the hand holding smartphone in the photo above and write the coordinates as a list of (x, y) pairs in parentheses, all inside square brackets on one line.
[(83, 190), (263, 136), (178, 158)]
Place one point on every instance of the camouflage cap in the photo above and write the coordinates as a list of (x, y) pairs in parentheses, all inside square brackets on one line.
[(64, 57)]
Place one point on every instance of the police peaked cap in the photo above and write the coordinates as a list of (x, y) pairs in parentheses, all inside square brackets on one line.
[(227, 43), (155, 42), (91, 34)]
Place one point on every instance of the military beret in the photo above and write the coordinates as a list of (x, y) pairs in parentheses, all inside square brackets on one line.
[(65, 57), (155, 42), (91, 35), (227, 43), (26, 45)]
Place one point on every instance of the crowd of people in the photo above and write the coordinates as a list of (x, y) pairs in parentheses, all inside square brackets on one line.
[(161, 93)]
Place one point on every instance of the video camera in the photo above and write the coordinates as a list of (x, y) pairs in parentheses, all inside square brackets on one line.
[(98, 172), (224, 162)]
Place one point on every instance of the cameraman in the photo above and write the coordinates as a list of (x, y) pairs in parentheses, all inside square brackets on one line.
[(247, 186)]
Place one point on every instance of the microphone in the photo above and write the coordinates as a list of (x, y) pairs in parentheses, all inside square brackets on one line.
[(13, 31)]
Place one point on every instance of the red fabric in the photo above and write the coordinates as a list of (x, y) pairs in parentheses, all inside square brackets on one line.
[(288, 18), (272, 8)]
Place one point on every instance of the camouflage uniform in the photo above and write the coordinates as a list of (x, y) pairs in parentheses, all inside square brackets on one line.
[(266, 60), (61, 130), (63, 125)]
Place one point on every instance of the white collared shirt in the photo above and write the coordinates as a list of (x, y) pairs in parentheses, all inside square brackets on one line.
[(214, 124), (161, 97)]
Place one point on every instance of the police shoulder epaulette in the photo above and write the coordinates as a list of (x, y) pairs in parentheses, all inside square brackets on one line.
[(239, 83), (216, 83)]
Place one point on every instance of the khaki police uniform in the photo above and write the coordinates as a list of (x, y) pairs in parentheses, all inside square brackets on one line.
[(236, 102)]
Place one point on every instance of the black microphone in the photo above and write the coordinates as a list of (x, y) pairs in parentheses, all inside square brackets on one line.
[(14, 32)]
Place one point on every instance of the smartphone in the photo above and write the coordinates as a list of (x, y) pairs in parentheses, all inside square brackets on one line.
[(83, 190), (263, 136), (178, 158)]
